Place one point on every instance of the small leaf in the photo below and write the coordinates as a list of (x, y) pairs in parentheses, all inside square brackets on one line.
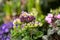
[(38, 34)]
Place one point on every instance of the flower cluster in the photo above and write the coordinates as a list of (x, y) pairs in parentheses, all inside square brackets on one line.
[(25, 20), (51, 18), (25, 17), (5, 31)]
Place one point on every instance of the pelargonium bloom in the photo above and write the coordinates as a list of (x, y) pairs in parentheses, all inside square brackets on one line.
[(22, 19), (25, 14), (58, 16), (50, 15), (25, 17), (30, 18), (49, 20)]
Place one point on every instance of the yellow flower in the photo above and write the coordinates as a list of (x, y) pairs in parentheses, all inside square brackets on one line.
[(18, 20)]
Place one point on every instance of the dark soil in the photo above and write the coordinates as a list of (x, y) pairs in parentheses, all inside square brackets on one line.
[(54, 36)]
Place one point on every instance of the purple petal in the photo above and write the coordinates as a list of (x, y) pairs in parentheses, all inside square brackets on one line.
[(1, 31), (7, 38), (6, 30), (0, 36)]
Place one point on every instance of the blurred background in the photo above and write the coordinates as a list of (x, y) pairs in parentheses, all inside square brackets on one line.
[(13, 8)]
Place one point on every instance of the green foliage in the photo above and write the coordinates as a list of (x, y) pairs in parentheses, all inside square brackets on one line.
[(29, 32), (30, 5), (7, 9)]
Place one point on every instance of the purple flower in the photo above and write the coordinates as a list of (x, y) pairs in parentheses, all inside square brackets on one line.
[(7, 38), (22, 19), (10, 25), (3, 26), (0, 35), (27, 19), (30, 18), (1, 31), (6, 30), (2, 38), (6, 27)]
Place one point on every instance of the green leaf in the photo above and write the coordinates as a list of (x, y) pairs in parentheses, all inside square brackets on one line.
[(38, 34), (26, 38)]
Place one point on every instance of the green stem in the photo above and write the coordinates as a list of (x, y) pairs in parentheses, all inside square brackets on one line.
[(7, 9), (30, 5)]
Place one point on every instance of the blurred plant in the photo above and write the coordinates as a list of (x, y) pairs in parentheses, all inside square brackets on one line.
[(54, 27), (25, 17), (26, 27), (51, 19), (30, 5), (5, 31), (7, 7)]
